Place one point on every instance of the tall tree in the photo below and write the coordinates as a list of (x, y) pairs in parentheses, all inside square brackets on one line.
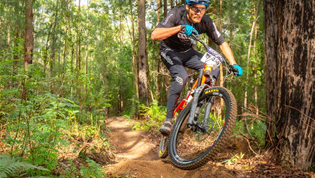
[(290, 81), (78, 64), (171, 4), (165, 7), (134, 53), (28, 33), (255, 17), (142, 62), (29, 41)]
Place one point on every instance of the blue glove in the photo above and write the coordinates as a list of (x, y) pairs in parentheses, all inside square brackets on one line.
[(239, 68), (188, 29)]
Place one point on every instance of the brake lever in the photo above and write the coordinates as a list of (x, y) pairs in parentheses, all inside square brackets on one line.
[(233, 69), (193, 38), (193, 41)]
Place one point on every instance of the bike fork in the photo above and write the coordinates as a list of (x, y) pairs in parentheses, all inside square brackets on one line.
[(207, 117), (193, 109)]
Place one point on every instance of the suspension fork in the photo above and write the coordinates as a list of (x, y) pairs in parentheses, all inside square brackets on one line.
[(199, 89), (193, 109), (207, 115)]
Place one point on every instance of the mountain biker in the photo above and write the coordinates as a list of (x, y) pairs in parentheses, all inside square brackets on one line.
[(176, 48)]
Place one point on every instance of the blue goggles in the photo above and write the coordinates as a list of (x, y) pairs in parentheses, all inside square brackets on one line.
[(202, 2)]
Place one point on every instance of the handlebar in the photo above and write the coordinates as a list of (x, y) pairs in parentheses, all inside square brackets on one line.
[(230, 68)]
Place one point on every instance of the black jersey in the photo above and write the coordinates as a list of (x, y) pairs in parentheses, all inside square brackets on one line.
[(180, 42)]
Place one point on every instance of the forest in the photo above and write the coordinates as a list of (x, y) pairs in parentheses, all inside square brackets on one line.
[(67, 66)]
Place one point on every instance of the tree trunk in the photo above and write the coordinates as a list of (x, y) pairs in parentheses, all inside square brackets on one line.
[(255, 73), (165, 7), (171, 4), (72, 69), (143, 63), (9, 85), (290, 81), (221, 78), (87, 56), (28, 43), (28, 34), (8, 40), (79, 56), (162, 78), (134, 55)]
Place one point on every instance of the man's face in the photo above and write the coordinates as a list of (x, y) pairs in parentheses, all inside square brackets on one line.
[(195, 12)]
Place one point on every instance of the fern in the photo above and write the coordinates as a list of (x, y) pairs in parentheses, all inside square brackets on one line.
[(12, 167)]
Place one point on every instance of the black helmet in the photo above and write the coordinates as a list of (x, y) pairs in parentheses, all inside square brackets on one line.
[(202, 2)]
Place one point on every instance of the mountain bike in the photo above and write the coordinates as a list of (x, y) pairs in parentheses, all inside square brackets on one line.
[(206, 117)]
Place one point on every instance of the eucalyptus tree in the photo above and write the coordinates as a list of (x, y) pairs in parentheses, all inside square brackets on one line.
[(144, 96), (290, 81)]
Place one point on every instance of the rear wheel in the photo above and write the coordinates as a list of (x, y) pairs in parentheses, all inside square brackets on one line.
[(193, 146)]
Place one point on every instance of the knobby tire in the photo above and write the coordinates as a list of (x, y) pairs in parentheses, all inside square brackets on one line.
[(207, 146)]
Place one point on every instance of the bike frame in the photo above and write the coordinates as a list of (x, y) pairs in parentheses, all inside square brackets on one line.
[(203, 78)]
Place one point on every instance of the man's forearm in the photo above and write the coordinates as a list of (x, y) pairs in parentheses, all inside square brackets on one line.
[(163, 33), (227, 51)]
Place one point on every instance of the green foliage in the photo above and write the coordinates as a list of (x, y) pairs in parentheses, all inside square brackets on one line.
[(13, 167), (235, 159), (41, 125), (256, 127), (258, 131), (312, 168), (92, 170), (239, 127), (153, 116)]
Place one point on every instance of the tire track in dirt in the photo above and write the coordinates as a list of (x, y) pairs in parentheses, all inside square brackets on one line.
[(136, 155)]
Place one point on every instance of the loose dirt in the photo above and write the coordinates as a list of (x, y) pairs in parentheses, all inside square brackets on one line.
[(136, 155)]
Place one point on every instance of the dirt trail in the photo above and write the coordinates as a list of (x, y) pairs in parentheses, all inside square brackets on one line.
[(136, 155)]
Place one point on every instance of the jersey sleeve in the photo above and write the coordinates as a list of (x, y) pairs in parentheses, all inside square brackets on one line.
[(213, 32), (170, 20)]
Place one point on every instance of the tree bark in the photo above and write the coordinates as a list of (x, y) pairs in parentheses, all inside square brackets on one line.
[(79, 56), (290, 81), (165, 8), (255, 73), (171, 4), (28, 43), (134, 55), (28, 34), (143, 63)]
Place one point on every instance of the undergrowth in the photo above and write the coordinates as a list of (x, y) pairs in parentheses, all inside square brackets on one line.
[(11, 166), (153, 116), (40, 128), (45, 127), (256, 128)]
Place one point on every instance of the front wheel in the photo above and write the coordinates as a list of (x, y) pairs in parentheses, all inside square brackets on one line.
[(191, 146), (163, 148)]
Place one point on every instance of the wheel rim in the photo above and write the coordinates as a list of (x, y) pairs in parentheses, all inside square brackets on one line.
[(192, 144)]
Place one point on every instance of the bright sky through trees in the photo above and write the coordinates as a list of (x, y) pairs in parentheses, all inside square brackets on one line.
[(83, 2)]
